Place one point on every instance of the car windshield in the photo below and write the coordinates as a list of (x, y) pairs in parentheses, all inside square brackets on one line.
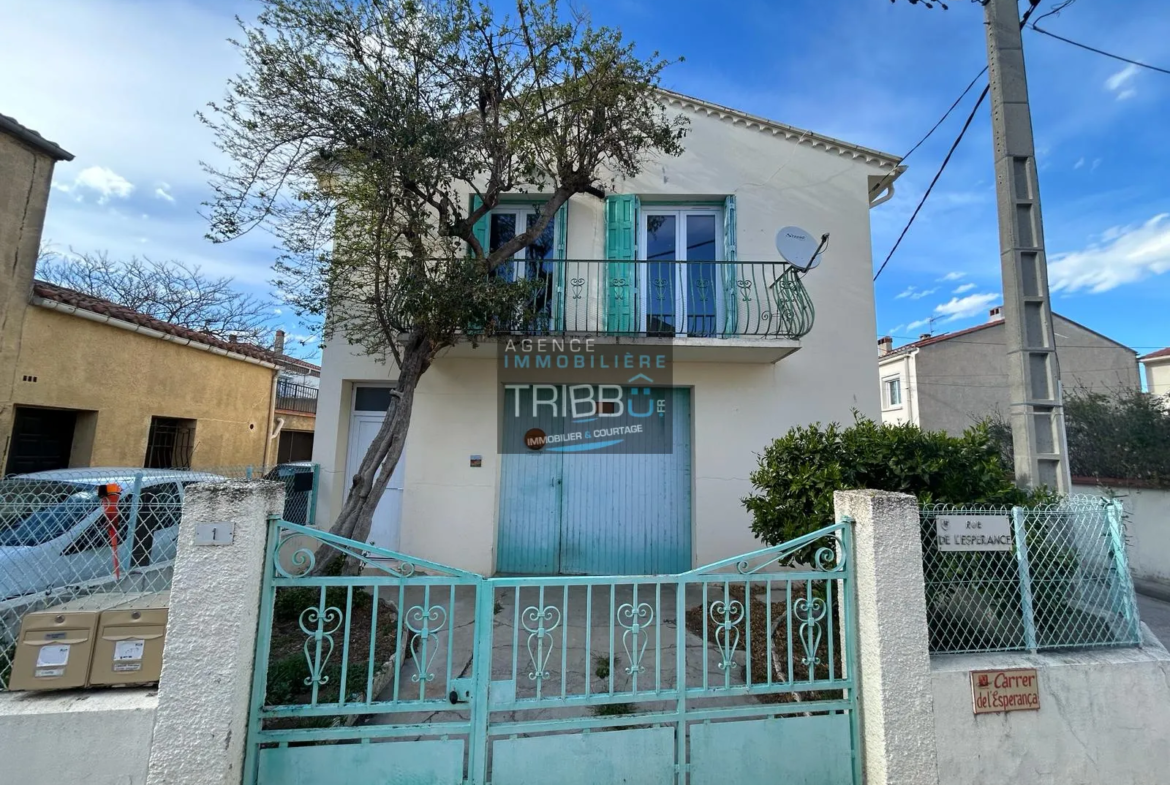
[(33, 512)]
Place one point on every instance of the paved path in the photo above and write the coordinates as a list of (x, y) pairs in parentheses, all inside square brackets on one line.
[(1156, 614)]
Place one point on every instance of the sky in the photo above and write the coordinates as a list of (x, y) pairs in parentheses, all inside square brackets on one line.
[(118, 82)]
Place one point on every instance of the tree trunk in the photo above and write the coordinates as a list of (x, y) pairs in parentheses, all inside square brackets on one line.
[(368, 485)]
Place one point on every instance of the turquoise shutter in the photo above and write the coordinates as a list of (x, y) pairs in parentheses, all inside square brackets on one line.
[(480, 230), (561, 230), (730, 256), (621, 223)]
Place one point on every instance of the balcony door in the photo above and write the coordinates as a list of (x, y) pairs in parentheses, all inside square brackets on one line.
[(680, 285), (535, 263)]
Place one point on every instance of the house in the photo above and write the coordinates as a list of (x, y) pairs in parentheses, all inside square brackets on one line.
[(87, 382), (948, 382), (1157, 371), (748, 362)]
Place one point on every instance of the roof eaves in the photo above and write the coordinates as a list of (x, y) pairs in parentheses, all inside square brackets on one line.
[(33, 139), (800, 135), (1161, 354)]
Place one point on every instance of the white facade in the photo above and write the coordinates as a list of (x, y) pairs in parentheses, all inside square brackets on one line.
[(745, 392), (1157, 373)]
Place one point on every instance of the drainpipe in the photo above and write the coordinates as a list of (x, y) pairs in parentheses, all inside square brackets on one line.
[(268, 434)]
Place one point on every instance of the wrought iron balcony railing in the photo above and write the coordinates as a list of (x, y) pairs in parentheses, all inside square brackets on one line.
[(661, 299), (293, 397)]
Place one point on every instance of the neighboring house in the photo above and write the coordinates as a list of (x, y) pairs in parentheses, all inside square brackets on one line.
[(948, 382), (87, 382), (748, 361), (1157, 371)]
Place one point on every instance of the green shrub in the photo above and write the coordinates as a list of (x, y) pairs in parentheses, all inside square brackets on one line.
[(798, 473)]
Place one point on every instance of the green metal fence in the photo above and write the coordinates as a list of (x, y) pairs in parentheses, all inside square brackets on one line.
[(1028, 579), (98, 538)]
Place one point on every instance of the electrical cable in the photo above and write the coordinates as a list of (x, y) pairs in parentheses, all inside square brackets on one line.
[(937, 175)]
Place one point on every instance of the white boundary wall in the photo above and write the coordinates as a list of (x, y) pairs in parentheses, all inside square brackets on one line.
[(1104, 716), (1147, 530)]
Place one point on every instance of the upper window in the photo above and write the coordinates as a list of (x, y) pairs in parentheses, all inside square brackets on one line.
[(504, 223), (681, 291), (892, 392)]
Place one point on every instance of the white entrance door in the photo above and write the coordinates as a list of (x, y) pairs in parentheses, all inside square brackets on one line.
[(386, 529)]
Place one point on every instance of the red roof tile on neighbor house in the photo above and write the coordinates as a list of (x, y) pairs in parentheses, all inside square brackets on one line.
[(944, 337), (85, 302), (1155, 355)]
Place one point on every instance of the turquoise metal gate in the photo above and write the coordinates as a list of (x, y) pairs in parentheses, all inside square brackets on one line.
[(412, 672)]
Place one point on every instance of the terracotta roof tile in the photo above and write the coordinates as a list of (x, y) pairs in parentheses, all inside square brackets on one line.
[(85, 302), (1155, 355)]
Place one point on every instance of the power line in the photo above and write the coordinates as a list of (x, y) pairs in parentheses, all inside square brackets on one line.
[(1101, 51), (947, 113), (937, 175)]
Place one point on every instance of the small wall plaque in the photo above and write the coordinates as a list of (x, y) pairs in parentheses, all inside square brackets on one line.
[(215, 533), (1015, 689), (476, 461)]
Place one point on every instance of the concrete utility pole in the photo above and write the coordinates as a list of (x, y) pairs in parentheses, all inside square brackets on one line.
[(1037, 414)]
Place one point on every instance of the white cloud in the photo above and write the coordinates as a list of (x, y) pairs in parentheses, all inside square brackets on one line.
[(923, 293), (915, 325), (909, 292), (164, 192), (965, 307), (953, 276), (1096, 163), (99, 180), (1120, 82), (1123, 255), (964, 288), (1080, 163)]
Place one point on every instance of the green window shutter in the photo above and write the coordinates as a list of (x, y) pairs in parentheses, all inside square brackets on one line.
[(480, 230), (730, 256), (621, 224)]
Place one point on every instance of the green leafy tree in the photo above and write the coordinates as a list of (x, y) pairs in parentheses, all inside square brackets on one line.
[(798, 473), (359, 129)]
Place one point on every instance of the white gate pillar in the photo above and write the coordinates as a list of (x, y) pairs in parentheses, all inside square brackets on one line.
[(893, 660), (202, 721)]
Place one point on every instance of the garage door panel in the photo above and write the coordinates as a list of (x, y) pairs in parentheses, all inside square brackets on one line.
[(586, 513)]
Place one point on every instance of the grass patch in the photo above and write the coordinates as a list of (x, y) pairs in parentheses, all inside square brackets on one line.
[(601, 666)]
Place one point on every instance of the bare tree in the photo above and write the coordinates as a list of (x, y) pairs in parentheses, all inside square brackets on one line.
[(360, 128), (169, 290)]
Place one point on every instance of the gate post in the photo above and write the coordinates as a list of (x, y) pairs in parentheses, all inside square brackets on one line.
[(201, 725), (893, 656)]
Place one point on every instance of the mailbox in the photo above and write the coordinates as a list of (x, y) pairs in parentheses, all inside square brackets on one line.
[(128, 646), (53, 650)]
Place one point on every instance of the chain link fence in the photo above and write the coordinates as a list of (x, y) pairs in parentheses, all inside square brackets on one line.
[(1028, 579), (94, 539)]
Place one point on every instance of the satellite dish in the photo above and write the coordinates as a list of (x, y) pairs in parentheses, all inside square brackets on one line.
[(798, 247)]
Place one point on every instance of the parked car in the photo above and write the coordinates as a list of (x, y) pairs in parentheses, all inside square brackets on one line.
[(54, 531)]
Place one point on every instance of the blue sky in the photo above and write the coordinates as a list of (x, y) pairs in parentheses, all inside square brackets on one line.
[(125, 77)]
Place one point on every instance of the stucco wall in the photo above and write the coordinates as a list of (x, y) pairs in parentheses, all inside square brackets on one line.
[(1147, 529), (1102, 720), (25, 176), (127, 378), (964, 379), (95, 737), (450, 509)]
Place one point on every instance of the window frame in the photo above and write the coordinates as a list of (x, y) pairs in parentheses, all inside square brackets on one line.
[(680, 212), (888, 384)]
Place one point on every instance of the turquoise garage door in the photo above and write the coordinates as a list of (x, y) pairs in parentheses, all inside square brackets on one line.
[(566, 509)]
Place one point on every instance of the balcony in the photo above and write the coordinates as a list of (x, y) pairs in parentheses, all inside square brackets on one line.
[(296, 398), (708, 311)]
